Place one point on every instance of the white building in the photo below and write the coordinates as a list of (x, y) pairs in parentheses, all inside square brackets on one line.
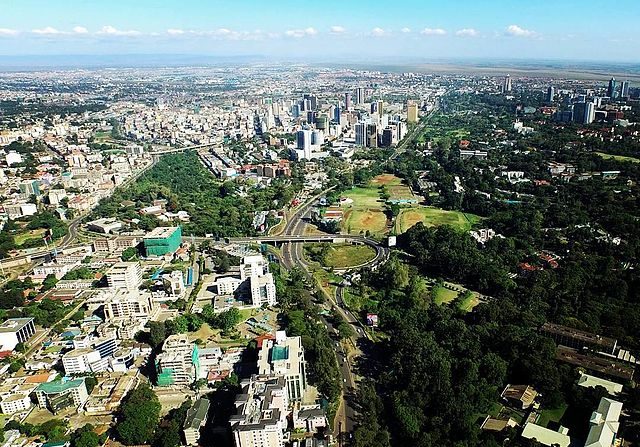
[(14, 331), (227, 285), (285, 356), (15, 403), (253, 266), (175, 363), (263, 290), (604, 424), (261, 413), (82, 360), (124, 305), (125, 275), (58, 395)]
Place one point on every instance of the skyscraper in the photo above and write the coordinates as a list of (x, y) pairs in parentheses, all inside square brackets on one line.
[(336, 114), (412, 112), (361, 134), (611, 91), (347, 101), (359, 96), (380, 107), (506, 87), (624, 89), (303, 140), (551, 93)]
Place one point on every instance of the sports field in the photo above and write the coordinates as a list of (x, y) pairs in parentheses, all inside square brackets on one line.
[(617, 157), (433, 217)]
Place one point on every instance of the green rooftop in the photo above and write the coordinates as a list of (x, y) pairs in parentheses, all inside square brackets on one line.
[(279, 353), (59, 386)]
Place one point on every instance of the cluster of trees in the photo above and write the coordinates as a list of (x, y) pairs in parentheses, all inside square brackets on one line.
[(301, 316), (55, 229), (215, 207), (53, 430)]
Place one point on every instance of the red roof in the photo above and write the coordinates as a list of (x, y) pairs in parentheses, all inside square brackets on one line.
[(264, 337)]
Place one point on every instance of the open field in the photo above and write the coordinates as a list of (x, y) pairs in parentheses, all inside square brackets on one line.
[(386, 179), (343, 255), (368, 197), (20, 238), (361, 220), (400, 192), (617, 157), (443, 295), (433, 217)]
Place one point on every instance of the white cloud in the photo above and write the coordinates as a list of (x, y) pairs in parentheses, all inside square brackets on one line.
[(378, 32), (405, 30), (48, 30), (336, 29), (301, 32), (467, 32), (80, 30), (8, 32), (175, 32), (515, 30), (433, 32), (109, 30)]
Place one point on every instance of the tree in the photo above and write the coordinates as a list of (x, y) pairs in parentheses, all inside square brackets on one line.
[(128, 254), (345, 330), (85, 436), (49, 282), (157, 333), (139, 416)]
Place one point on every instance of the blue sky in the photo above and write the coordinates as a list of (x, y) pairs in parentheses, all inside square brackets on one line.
[(409, 29)]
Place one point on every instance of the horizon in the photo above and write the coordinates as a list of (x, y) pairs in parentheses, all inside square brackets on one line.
[(334, 30)]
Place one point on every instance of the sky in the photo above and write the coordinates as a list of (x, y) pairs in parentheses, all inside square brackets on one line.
[(571, 30)]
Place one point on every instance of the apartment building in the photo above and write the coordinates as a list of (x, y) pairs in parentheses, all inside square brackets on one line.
[(285, 356), (177, 363)]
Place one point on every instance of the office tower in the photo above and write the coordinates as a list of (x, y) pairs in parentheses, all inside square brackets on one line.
[(125, 275), (162, 240), (372, 135), (380, 107), (304, 142), (347, 101), (388, 136), (317, 137), (612, 90), (285, 357), (374, 107), (506, 86), (312, 101), (336, 114), (551, 93), (412, 112), (295, 110), (624, 89), (360, 96), (361, 134), (584, 112)]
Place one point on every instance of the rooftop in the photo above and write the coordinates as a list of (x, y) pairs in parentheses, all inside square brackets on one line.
[(60, 386), (14, 324), (197, 414), (161, 232)]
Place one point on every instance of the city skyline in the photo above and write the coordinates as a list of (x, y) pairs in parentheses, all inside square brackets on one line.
[(572, 30)]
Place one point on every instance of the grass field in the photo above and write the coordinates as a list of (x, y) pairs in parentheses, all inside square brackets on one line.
[(360, 220), (443, 295), (618, 157), (33, 234), (551, 415), (345, 255), (433, 217), (386, 179)]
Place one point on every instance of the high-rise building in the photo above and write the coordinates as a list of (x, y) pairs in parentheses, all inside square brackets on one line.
[(336, 113), (584, 112), (303, 142), (177, 363), (506, 86), (412, 112), (361, 134), (360, 96), (612, 91), (372, 135), (125, 305), (313, 101), (347, 101), (624, 89), (374, 107), (14, 331), (380, 107), (263, 290), (551, 93), (285, 356), (261, 412)]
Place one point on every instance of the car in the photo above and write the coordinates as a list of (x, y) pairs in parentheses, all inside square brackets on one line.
[(344, 380)]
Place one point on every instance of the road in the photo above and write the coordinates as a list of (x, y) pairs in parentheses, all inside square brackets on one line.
[(415, 132)]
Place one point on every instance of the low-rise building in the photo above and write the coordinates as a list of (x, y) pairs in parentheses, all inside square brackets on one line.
[(195, 420), (14, 331), (58, 395), (604, 424)]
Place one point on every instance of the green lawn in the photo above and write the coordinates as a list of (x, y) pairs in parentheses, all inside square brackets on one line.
[(373, 220), (617, 157), (469, 303), (347, 255), (551, 415), (433, 217), (20, 238), (443, 295)]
